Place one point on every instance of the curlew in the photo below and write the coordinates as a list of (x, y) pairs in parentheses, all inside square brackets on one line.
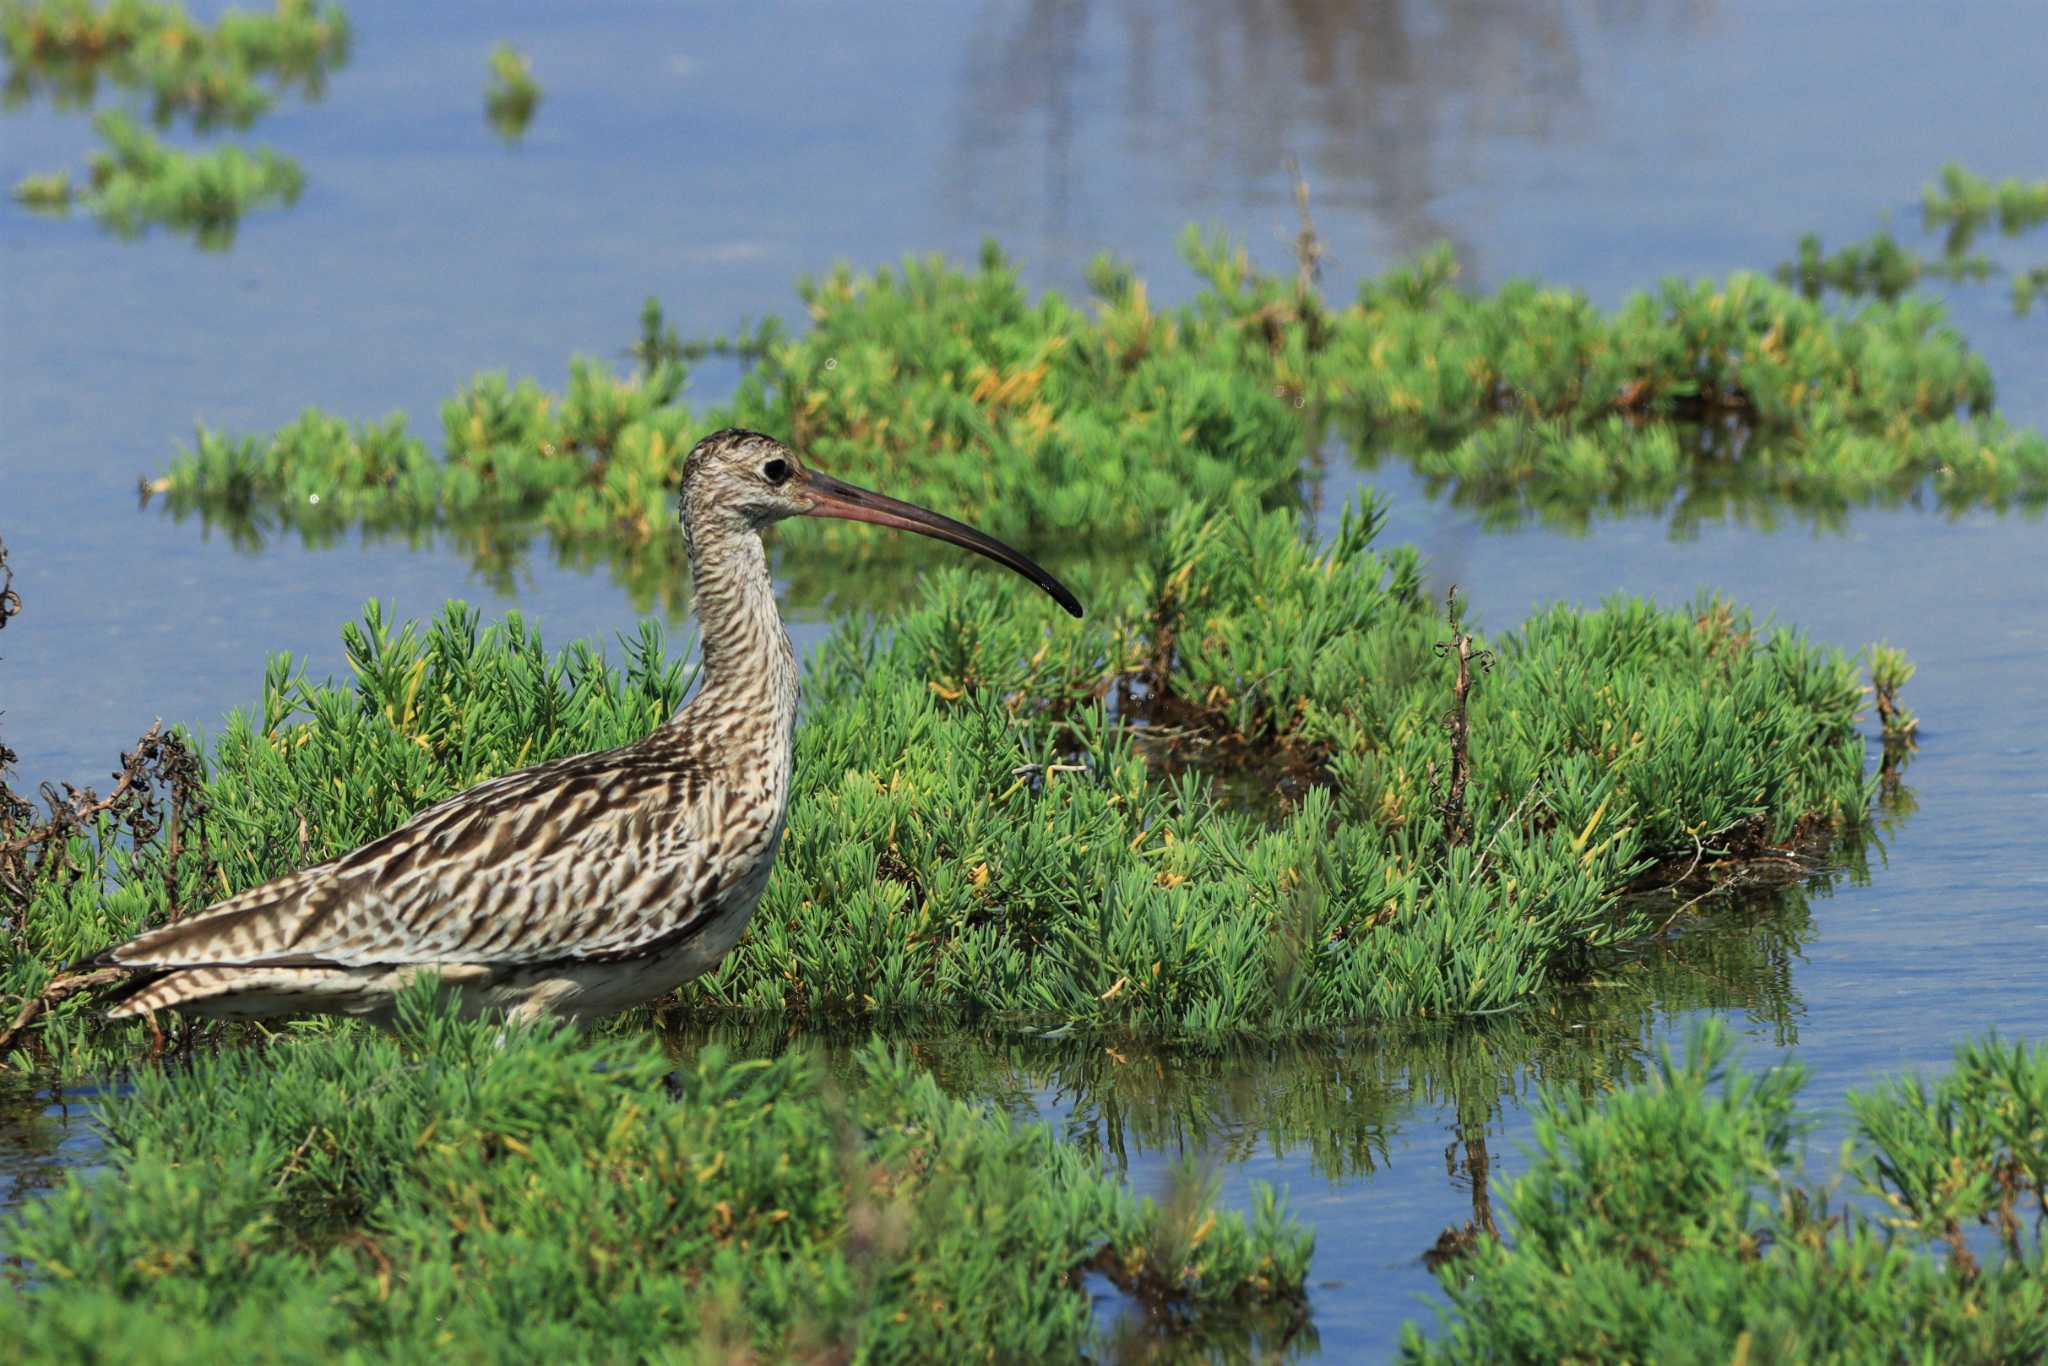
[(581, 886)]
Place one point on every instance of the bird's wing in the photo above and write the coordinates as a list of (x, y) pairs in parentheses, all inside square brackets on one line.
[(592, 856)]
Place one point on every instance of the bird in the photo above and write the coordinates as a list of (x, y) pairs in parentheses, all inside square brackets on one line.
[(582, 886)]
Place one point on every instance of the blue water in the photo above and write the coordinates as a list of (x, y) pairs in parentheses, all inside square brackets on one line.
[(710, 154)]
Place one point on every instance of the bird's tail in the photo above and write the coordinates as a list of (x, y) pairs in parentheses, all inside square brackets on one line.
[(245, 993)]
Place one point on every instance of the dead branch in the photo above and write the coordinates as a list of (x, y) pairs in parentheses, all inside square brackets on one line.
[(10, 601), (1457, 723), (1309, 251), (77, 807), (68, 984), (157, 759), (35, 854)]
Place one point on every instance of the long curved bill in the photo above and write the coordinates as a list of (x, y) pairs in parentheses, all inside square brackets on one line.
[(836, 498)]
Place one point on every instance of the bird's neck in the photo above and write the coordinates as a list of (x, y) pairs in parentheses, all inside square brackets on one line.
[(749, 678)]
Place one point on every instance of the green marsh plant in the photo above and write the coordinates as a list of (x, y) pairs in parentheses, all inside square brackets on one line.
[(213, 75), (592, 467), (977, 835), (1879, 265), (1671, 1222), (465, 1189), (139, 182), (1960, 206), (512, 95), (1339, 1099), (2027, 286), (1891, 670), (1964, 202), (660, 343), (228, 74), (1531, 402)]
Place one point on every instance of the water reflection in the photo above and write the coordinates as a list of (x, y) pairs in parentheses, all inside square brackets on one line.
[(1726, 475), (1135, 1332), (1390, 103), (46, 1133), (1708, 497)]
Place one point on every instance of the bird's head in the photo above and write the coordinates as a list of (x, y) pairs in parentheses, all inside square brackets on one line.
[(744, 480)]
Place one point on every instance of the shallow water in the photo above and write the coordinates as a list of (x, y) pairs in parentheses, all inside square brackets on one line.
[(711, 155)]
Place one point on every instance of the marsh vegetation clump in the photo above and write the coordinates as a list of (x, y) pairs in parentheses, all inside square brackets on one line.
[(953, 389), (138, 181), (1696, 400), (1000, 813), (991, 840), (592, 469), (1337, 1101), (602, 456), (1670, 1221), (47, 193), (512, 95), (228, 74), (1964, 202), (533, 1193), (1959, 207), (1416, 353), (1879, 265), (958, 389)]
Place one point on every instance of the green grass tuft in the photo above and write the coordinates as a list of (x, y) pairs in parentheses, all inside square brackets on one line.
[(550, 1196), (513, 94), (140, 182), (1669, 1223)]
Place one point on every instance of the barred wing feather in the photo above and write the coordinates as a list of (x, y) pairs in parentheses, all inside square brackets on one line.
[(592, 856)]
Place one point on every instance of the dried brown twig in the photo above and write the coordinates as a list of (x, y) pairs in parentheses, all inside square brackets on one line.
[(1276, 319), (33, 854), (1309, 251), (61, 986), (10, 601), (30, 854), (1457, 723)]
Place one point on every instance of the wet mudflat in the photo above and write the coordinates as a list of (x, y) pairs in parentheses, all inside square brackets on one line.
[(1599, 149)]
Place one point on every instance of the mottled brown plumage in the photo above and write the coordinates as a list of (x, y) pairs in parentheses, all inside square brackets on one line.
[(581, 886)]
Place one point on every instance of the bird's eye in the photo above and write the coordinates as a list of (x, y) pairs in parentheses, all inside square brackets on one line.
[(775, 471)]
